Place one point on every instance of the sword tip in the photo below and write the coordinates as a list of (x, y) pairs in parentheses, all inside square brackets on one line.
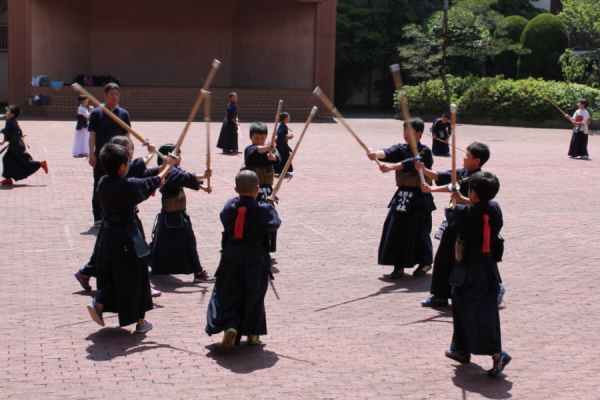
[(317, 91), (314, 110), (216, 63), (395, 67)]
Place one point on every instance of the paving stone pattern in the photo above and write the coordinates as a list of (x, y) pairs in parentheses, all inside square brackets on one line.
[(336, 329)]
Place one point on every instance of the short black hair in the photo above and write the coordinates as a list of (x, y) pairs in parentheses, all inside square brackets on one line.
[(164, 150), (258, 127), (481, 151), (230, 95), (246, 182), (417, 124), (15, 110), (112, 156), (122, 140), (82, 97), (110, 86), (485, 184), (283, 116), (584, 102), (445, 116)]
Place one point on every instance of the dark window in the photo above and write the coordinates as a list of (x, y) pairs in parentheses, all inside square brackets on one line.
[(3, 38)]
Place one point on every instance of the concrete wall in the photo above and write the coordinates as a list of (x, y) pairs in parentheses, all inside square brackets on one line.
[(3, 67), (161, 43), (271, 48), (60, 39)]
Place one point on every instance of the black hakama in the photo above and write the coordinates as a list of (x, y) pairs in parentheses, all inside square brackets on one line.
[(283, 149), (476, 319), (121, 258), (238, 297), (579, 143), (173, 242), (17, 163), (228, 137), (405, 240), (441, 131)]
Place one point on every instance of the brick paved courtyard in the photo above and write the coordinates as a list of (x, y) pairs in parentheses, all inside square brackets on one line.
[(336, 330)]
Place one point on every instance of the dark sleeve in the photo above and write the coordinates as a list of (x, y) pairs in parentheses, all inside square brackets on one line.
[(427, 157), (435, 127), (94, 118), (282, 133), (458, 219), (148, 172), (269, 217), (231, 110), (449, 128), (137, 168), (177, 179), (251, 156), (444, 178), (392, 154), (228, 212), (141, 189)]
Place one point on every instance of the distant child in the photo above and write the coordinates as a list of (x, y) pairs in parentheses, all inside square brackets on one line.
[(82, 136), (173, 241), (137, 169), (441, 131), (579, 140), (261, 158), (476, 156), (17, 163), (405, 240), (281, 141), (122, 267), (475, 277), (228, 138), (237, 304)]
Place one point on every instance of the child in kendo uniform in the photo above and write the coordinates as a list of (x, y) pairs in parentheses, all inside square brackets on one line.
[(137, 169), (261, 158), (121, 264), (237, 305), (17, 163), (475, 277), (476, 156), (405, 240), (283, 148), (173, 241)]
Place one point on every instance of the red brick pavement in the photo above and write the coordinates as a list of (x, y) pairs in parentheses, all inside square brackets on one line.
[(337, 330)]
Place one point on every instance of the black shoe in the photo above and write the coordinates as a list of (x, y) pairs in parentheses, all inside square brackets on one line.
[(499, 364), (421, 270), (397, 274), (460, 356), (433, 301)]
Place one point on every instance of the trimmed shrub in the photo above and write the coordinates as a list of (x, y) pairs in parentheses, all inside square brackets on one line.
[(510, 29), (547, 38), (499, 98), (505, 99), (429, 98)]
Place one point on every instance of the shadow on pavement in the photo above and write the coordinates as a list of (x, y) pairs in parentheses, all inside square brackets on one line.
[(17, 186), (110, 343), (474, 379), (408, 283), (92, 231), (243, 359), (171, 284)]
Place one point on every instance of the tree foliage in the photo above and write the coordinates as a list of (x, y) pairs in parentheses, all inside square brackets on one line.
[(510, 28), (367, 37), (582, 17), (522, 8), (580, 68), (547, 38)]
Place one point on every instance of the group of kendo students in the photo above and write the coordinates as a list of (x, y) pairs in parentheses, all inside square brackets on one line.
[(465, 265)]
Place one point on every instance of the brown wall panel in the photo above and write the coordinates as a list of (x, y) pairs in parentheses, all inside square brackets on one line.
[(60, 39), (19, 53), (161, 43), (273, 44)]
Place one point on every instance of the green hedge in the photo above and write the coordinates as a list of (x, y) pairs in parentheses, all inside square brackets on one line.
[(510, 28), (499, 98), (547, 38)]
